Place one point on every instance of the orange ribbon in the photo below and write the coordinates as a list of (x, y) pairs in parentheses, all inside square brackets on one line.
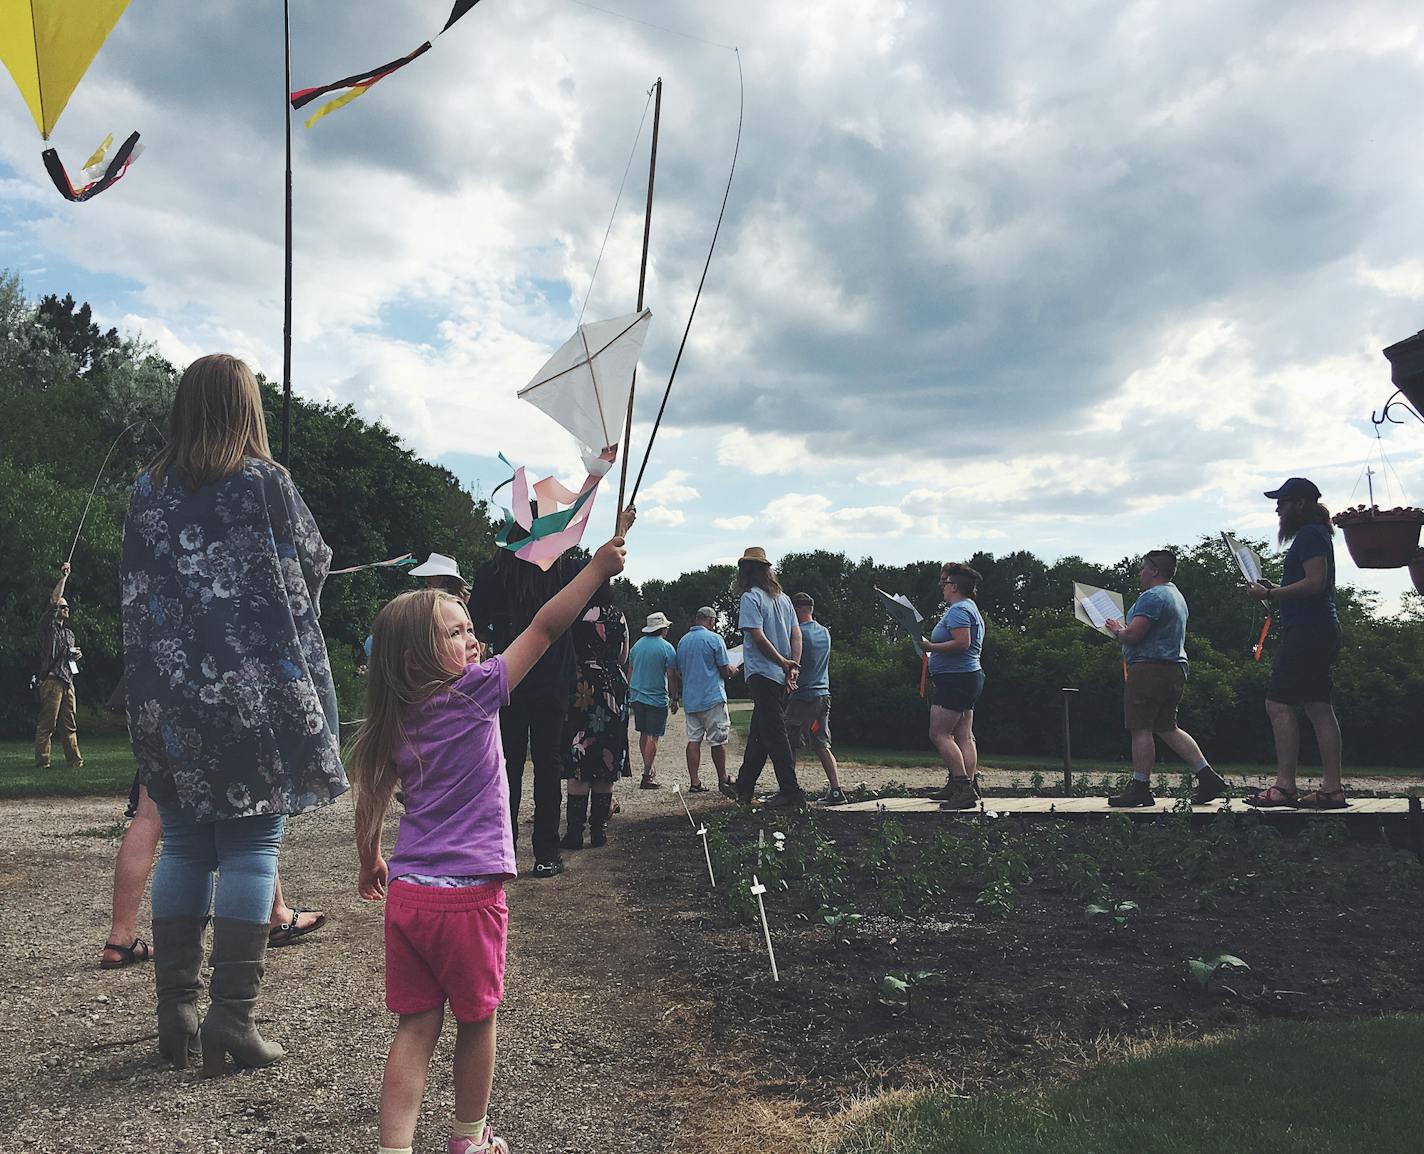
[(924, 670), (1261, 642)]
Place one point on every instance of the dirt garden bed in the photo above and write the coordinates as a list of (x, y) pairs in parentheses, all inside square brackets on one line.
[(991, 953)]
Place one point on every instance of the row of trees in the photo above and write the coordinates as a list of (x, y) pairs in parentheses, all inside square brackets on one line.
[(69, 390)]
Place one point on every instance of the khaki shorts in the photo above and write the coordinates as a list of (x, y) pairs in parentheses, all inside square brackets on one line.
[(712, 725), (808, 722), (1152, 694)]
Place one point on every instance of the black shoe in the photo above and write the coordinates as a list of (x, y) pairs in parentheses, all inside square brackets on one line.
[(728, 789), (547, 869), (780, 800), (835, 797), (1210, 786), (600, 807), (1137, 795)]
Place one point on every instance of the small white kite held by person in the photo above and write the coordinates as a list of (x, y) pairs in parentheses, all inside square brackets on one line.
[(1096, 607), (905, 615), (1246, 558)]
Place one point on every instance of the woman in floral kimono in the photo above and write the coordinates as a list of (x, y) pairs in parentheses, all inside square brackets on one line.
[(232, 710), (598, 723)]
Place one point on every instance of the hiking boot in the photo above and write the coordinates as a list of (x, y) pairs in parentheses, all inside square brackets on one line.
[(835, 797), (780, 800), (547, 869), (1210, 786), (944, 792), (960, 793), (1137, 795)]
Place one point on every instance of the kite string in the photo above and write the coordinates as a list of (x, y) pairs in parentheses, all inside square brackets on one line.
[(95, 488), (650, 24), (736, 148), (612, 216)]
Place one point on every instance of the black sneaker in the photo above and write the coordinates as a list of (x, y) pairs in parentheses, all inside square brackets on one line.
[(959, 793), (780, 800), (728, 789), (1210, 786), (547, 869), (835, 797), (1137, 795)]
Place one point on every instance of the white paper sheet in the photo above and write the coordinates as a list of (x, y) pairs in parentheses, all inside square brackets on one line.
[(1247, 559), (734, 657), (1094, 606)]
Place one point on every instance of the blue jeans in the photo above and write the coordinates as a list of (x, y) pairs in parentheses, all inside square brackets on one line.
[(243, 854)]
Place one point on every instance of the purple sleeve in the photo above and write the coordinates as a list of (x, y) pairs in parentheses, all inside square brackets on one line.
[(486, 684)]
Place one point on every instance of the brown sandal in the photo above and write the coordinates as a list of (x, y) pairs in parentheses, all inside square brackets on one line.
[(1273, 797), (1323, 799)]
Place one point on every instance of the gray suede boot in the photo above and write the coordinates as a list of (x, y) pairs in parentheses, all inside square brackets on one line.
[(177, 963), (230, 1027)]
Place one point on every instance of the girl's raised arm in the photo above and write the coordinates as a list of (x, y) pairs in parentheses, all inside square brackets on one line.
[(554, 619)]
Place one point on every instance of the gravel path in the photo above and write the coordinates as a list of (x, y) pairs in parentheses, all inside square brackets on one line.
[(597, 1042)]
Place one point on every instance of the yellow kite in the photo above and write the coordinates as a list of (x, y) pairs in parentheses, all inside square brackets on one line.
[(48, 45)]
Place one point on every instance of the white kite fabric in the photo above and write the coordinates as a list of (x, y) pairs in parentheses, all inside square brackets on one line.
[(585, 385)]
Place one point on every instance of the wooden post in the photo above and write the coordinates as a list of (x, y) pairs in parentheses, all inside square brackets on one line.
[(287, 281), (642, 283), (1067, 745)]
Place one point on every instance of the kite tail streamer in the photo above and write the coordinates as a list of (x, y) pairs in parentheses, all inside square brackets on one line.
[(95, 488), (128, 152), (1261, 641), (741, 109), (924, 671)]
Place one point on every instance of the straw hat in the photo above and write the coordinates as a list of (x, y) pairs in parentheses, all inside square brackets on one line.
[(656, 621), (755, 554)]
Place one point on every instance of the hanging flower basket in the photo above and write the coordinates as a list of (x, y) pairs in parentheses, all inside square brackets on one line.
[(1381, 538), (1416, 571)]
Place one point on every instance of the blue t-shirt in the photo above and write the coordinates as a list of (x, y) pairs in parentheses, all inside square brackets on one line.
[(701, 657), (651, 658), (815, 678), (774, 617), (961, 615), (1312, 541), (1165, 607)]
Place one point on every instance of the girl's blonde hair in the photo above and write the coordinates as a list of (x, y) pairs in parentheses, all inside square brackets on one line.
[(216, 421), (404, 669)]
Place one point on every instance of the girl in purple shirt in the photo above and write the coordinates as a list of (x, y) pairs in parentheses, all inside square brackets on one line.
[(432, 730)]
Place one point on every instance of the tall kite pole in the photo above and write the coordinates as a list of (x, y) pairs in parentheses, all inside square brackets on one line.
[(642, 282), (287, 284)]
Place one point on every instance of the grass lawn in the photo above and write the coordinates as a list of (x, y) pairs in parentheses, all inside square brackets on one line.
[(1052, 766), (1285, 1088), (108, 769)]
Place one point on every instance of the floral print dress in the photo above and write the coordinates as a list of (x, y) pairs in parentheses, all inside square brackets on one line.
[(232, 709), (598, 722)]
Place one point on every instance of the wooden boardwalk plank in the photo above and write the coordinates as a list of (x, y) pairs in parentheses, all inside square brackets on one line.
[(1387, 806)]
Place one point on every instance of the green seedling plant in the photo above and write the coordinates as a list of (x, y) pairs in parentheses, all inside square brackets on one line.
[(1114, 913), (1035, 781), (999, 898), (898, 989), (1204, 969), (835, 917)]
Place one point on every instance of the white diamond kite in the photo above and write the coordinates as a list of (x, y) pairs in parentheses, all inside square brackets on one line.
[(585, 385)]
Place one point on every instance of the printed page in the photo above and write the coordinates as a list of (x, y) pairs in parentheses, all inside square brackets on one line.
[(1093, 606), (1247, 559), (734, 657)]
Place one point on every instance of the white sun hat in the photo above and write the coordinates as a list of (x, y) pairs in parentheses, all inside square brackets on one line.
[(656, 621), (437, 565)]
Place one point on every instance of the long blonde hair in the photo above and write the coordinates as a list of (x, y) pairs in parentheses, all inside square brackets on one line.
[(404, 669), (215, 422)]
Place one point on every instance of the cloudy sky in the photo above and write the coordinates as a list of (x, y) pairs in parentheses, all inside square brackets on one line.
[(1078, 277)]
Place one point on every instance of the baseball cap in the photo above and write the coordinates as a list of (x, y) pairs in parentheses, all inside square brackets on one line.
[(1293, 489)]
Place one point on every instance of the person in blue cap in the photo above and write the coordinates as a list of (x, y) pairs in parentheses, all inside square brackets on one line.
[(1301, 675)]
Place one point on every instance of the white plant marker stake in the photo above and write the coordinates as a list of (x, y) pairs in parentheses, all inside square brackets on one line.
[(759, 889), (702, 833), (677, 789), (761, 843)]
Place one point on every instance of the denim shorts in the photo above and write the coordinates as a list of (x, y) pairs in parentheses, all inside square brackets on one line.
[(650, 720)]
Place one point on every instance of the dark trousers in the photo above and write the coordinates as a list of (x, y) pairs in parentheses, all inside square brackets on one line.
[(767, 739), (535, 727)]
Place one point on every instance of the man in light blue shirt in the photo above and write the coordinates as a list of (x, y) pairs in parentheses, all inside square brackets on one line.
[(808, 712), (1154, 648), (702, 667), (652, 688)]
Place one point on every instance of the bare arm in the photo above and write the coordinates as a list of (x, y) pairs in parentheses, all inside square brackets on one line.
[(795, 644), (1316, 580), (58, 591), (760, 639), (554, 619), (958, 642), (1131, 634)]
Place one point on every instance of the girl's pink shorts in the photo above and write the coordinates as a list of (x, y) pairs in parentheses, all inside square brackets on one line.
[(445, 945)]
